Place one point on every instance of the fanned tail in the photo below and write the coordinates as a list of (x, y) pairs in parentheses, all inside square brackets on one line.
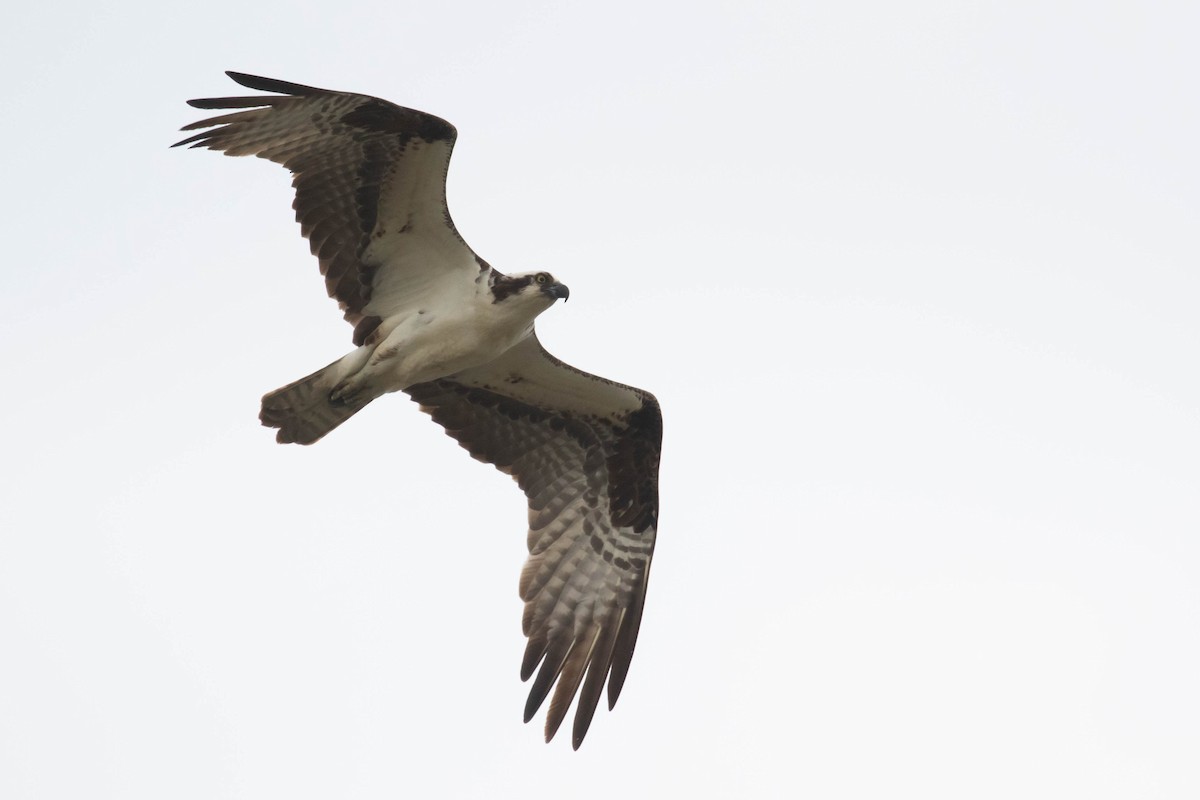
[(303, 411)]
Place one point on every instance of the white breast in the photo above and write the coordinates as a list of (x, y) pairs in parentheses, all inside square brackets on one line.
[(436, 342)]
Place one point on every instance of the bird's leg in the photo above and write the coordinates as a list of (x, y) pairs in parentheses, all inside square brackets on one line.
[(347, 392), (361, 385)]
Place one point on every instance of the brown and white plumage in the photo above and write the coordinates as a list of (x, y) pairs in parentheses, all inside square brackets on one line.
[(370, 180), (434, 320), (585, 452)]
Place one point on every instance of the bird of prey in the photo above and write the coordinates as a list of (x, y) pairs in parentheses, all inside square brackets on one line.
[(436, 321)]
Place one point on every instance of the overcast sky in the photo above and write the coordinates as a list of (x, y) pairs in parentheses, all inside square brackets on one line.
[(915, 283)]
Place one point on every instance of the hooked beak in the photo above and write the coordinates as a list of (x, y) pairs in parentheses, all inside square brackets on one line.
[(558, 291)]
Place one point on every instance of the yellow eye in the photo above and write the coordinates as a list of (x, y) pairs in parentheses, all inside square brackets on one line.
[(541, 278)]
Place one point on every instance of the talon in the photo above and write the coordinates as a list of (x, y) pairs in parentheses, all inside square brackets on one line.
[(342, 394)]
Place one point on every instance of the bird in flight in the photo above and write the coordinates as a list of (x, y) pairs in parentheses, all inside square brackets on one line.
[(436, 321)]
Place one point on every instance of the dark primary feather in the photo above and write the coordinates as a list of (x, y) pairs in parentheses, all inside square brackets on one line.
[(347, 153), (592, 520)]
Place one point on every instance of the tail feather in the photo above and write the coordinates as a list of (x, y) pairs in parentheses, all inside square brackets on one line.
[(303, 411)]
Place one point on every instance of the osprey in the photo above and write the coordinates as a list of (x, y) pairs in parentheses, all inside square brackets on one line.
[(434, 320)]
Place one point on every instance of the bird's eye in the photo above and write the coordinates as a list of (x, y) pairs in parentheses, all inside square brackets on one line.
[(541, 278)]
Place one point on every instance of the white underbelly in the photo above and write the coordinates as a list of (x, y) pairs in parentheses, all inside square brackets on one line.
[(419, 349)]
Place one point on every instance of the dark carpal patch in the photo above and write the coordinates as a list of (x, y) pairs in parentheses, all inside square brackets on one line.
[(380, 116), (633, 469)]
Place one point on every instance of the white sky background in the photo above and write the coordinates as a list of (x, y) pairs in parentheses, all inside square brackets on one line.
[(916, 285)]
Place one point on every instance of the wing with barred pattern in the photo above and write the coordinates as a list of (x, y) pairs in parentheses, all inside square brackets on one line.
[(585, 451), (370, 181)]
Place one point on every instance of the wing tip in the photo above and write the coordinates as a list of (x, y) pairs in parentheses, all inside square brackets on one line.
[(194, 141), (283, 88), (263, 84)]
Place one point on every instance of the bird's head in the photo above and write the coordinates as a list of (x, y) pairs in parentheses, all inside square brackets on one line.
[(539, 287)]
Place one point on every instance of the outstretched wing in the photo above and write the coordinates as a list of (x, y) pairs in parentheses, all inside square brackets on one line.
[(585, 451), (370, 180)]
